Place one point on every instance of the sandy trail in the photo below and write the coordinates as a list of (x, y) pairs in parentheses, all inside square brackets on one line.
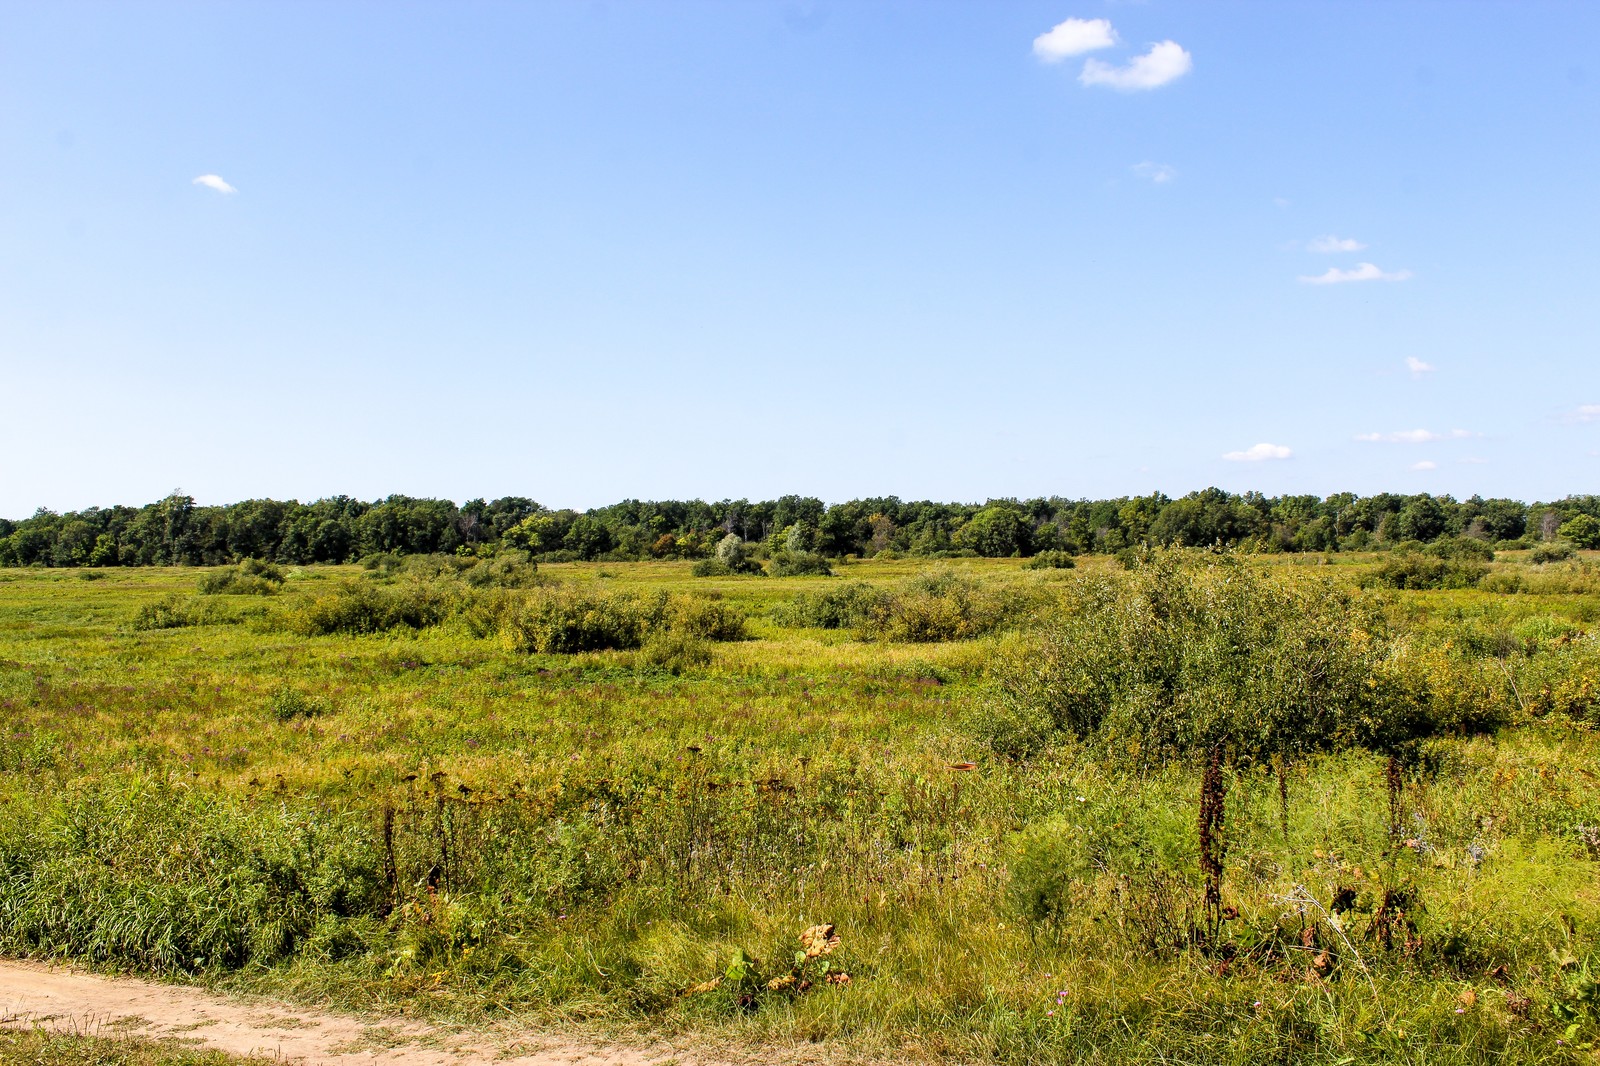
[(50, 997)]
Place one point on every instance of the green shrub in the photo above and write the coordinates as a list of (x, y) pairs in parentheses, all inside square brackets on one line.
[(287, 704), (675, 651), (1422, 570), (566, 620), (253, 577), (509, 570), (1051, 560), (1461, 549), (360, 607), (798, 564), (383, 563), (171, 612), (1555, 551), (837, 608), (937, 607), (733, 556), (706, 619)]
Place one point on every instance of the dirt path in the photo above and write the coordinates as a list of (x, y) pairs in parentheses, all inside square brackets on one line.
[(63, 1000)]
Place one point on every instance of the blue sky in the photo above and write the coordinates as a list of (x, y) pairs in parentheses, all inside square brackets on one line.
[(587, 251)]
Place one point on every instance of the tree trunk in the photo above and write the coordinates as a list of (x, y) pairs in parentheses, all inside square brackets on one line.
[(1213, 845), (1283, 795), (1396, 784)]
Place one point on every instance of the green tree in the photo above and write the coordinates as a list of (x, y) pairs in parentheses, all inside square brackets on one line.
[(1582, 530)]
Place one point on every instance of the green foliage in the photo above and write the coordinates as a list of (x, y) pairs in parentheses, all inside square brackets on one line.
[(846, 607), (675, 651), (798, 564), (169, 612), (1419, 569), (287, 704), (1051, 560), (1582, 530), (938, 606), (1552, 552), (252, 577), (566, 620), (356, 607)]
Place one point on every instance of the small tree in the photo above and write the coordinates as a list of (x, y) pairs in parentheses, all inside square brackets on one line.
[(1207, 661)]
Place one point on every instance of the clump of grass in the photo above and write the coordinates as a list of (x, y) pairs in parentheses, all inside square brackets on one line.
[(287, 704), (169, 612)]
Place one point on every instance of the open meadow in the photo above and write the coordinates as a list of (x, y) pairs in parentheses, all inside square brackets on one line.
[(847, 809)]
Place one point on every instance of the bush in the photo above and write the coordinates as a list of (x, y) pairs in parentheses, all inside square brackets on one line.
[(798, 564), (359, 607), (707, 619), (1051, 560), (253, 577), (840, 608), (1421, 570), (936, 607), (1461, 549), (511, 570), (1555, 551), (675, 651), (567, 620), (383, 563), (287, 704), (733, 556), (169, 613)]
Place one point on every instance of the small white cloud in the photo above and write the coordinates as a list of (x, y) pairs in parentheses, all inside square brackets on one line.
[(1258, 453), (1588, 412), (1280, 201), (1426, 464), (212, 181), (1330, 244), (1164, 62), (1073, 38), (1414, 436), (1418, 367), (1361, 272), (1160, 173)]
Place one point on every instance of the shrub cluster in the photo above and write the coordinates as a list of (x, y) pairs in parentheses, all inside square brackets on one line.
[(252, 577)]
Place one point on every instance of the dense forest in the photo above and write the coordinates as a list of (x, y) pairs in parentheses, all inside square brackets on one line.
[(177, 531)]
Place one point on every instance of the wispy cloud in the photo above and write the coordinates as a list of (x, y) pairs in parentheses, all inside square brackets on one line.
[(1257, 453), (1073, 38), (1426, 464), (1587, 412), (1164, 62), (1280, 201), (1330, 244), (212, 181), (1159, 173), (1414, 436), (1418, 367), (1360, 272)]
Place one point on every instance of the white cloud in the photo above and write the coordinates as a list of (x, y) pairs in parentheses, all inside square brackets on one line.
[(1418, 367), (1258, 452), (1588, 412), (1160, 173), (1163, 63), (1073, 38), (1280, 201), (1426, 464), (212, 181), (1414, 436), (1331, 244), (1361, 272)]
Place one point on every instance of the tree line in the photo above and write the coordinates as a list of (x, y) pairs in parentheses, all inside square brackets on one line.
[(177, 531)]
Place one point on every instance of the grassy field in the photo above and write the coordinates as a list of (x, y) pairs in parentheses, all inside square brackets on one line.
[(445, 821)]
